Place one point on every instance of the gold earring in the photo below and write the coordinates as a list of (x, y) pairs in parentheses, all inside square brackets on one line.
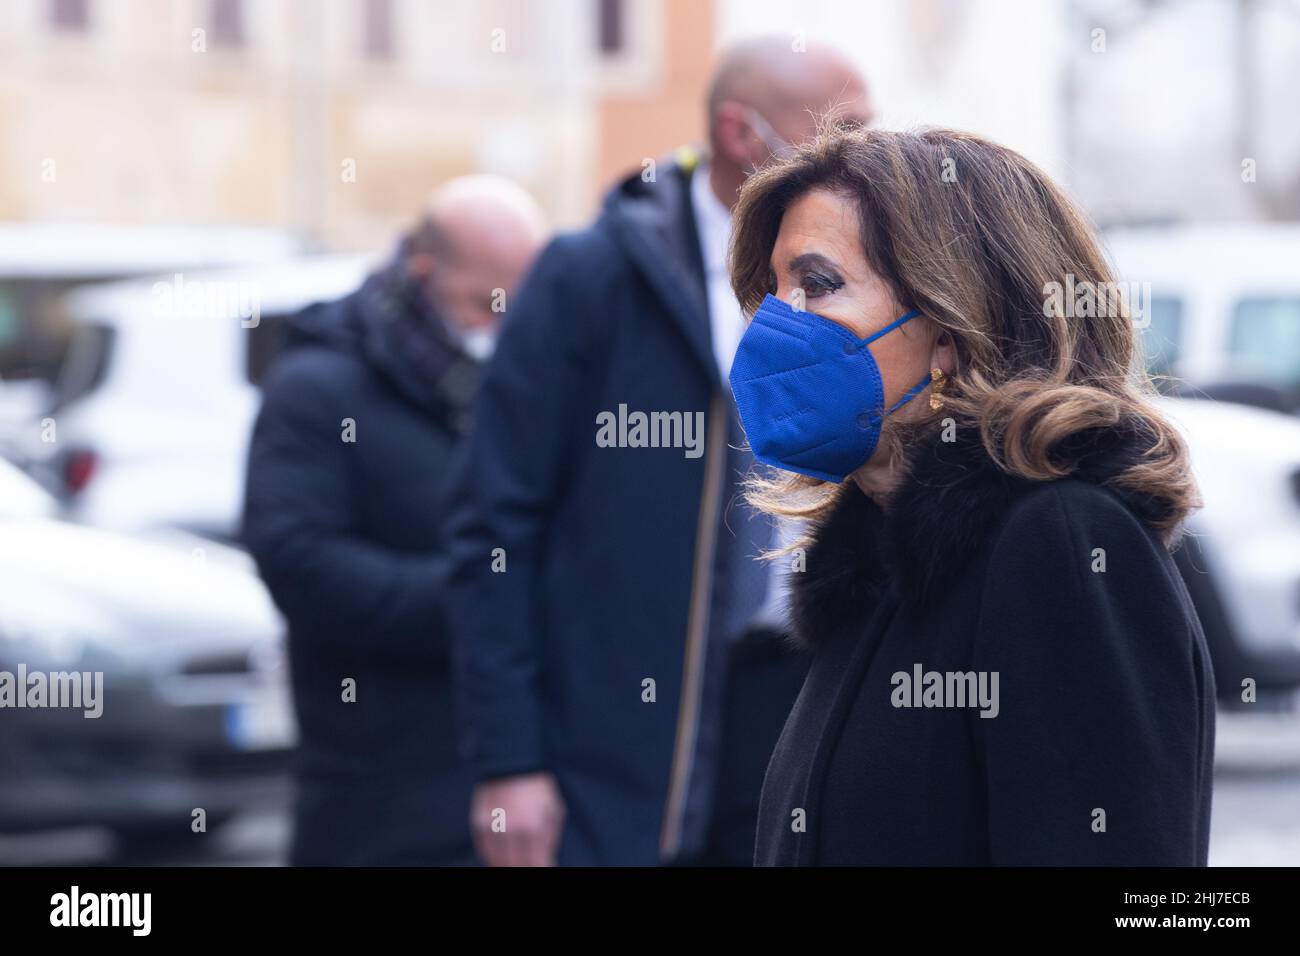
[(937, 380)]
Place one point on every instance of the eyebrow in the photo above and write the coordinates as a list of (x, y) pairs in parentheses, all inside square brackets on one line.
[(812, 260)]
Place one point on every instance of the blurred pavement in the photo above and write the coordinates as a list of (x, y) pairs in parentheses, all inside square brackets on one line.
[(1256, 818)]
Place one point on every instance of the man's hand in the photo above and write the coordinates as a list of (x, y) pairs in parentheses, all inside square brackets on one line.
[(517, 820)]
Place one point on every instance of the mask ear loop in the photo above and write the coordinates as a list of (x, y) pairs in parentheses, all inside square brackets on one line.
[(912, 393), (891, 326), (916, 389)]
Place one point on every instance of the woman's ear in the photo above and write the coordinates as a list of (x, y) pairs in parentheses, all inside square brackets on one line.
[(944, 354)]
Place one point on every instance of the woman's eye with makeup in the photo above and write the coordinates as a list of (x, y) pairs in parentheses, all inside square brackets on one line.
[(816, 284)]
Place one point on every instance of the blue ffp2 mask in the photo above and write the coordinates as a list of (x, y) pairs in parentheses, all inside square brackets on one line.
[(809, 391)]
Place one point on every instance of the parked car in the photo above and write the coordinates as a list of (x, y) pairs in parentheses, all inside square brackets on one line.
[(155, 403), (40, 261), (195, 697), (1224, 315), (1241, 557)]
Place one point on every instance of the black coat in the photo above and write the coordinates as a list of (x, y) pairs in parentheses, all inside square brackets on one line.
[(608, 574), (1105, 695), (346, 536)]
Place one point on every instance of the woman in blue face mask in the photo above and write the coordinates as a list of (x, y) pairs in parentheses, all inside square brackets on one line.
[(1006, 667)]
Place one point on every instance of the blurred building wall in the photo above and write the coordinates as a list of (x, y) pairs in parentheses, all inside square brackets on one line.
[(332, 118), (992, 66), (651, 118), (1187, 111), (1149, 110)]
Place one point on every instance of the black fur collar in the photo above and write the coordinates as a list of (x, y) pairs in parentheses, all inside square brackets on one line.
[(951, 499)]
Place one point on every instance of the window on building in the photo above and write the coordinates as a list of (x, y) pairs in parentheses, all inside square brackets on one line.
[(227, 23), (72, 15), (610, 22), (379, 29)]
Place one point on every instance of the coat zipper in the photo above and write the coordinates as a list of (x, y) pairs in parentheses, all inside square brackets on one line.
[(697, 632)]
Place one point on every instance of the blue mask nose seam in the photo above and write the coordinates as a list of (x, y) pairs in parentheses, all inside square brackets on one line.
[(781, 323), (784, 310), (780, 310)]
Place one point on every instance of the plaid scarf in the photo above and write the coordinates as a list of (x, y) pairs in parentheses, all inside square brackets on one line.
[(407, 340)]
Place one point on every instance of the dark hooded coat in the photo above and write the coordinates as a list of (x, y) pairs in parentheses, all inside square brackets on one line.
[(586, 587), (343, 510)]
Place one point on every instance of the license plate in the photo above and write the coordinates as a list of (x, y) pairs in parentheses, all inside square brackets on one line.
[(265, 723)]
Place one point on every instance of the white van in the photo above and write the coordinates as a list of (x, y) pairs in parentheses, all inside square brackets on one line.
[(1241, 557), (155, 403), (1224, 310), (1222, 321)]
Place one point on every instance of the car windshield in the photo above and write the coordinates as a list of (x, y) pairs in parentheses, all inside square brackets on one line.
[(1162, 339), (1264, 339), (85, 365)]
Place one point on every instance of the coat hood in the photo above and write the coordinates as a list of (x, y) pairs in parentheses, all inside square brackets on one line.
[(388, 325), (650, 218), (951, 499)]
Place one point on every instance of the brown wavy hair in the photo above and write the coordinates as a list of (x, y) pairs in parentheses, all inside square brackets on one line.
[(974, 235)]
